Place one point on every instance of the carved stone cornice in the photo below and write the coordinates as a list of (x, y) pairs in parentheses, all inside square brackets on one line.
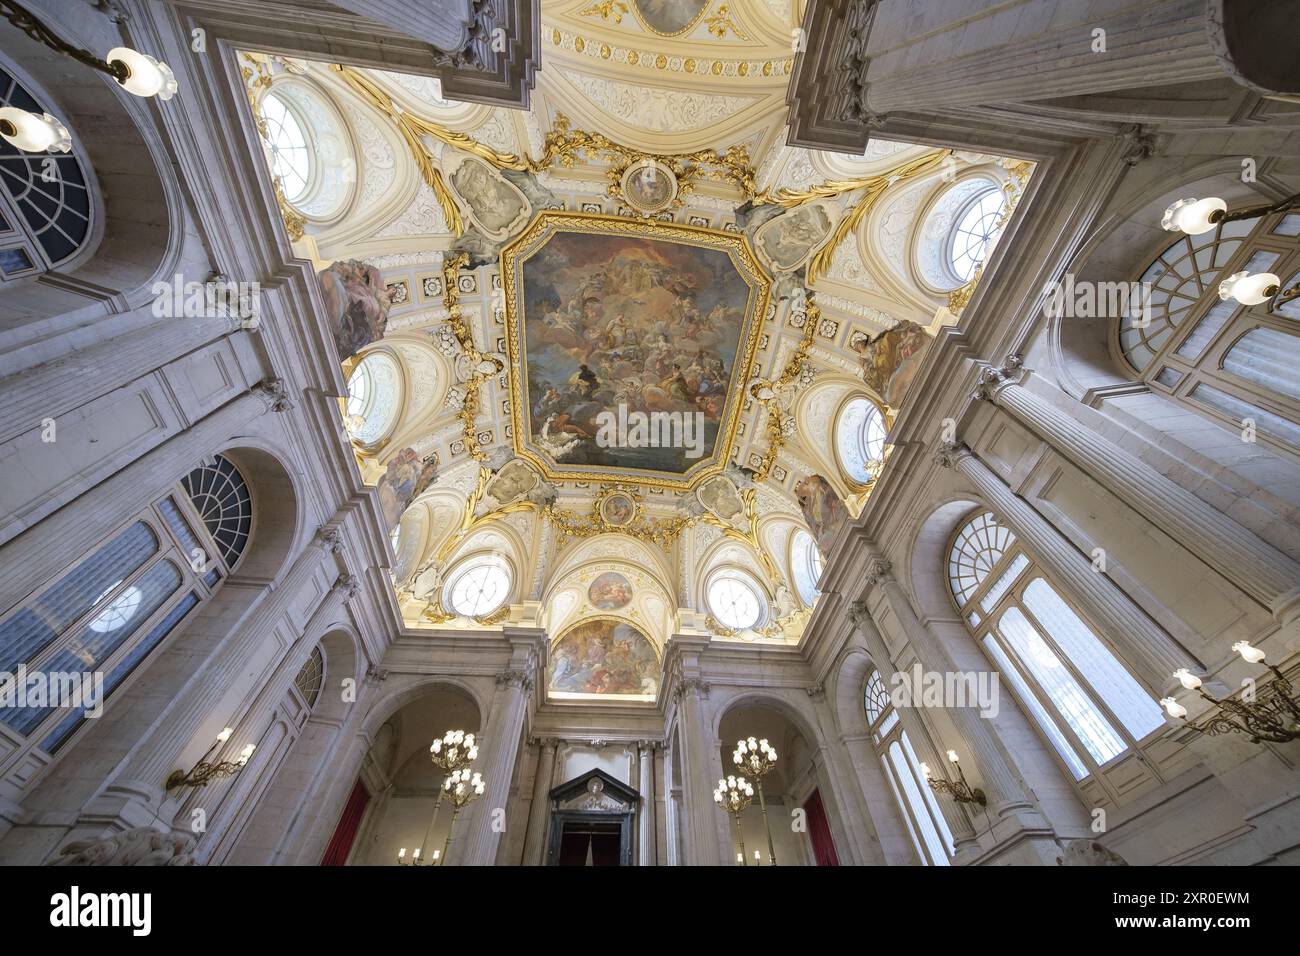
[(274, 395), (828, 88)]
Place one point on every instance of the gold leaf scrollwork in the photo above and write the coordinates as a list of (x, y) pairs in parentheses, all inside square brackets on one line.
[(871, 188)]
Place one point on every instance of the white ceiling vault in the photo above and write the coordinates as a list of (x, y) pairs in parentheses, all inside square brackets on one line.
[(626, 114)]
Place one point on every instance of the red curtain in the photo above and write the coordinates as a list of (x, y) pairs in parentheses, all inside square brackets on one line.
[(819, 831), (336, 854)]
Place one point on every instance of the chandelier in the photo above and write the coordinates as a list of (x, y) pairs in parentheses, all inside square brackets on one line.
[(734, 795), (757, 758)]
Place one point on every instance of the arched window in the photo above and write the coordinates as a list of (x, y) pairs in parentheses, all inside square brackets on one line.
[(1084, 700), (291, 160), (917, 802), (311, 678), (860, 440), (805, 566), (735, 601), (1230, 362), (45, 208), (373, 402), (976, 232), (478, 586), (108, 612), (220, 495)]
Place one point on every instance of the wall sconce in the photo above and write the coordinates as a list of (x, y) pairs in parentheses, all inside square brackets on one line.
[(204, 772), (1273, 715), (960, 791), (415, 858)]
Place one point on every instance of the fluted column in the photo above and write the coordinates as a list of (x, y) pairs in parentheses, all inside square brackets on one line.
[(965, 846), (1253, 565), (535, 840), (1154, 653), (1168, 37), (475, 843), (646, 819), (695, 739)]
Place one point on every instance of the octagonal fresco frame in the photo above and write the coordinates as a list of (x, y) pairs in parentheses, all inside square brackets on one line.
[(550, 222)]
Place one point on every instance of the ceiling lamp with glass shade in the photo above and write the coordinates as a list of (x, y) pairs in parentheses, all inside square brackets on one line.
[(135, 72), (32, 133), (1194, 217)]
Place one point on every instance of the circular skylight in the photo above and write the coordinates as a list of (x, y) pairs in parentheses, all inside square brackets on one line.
[(478, 586), (290, 155), (735, 602), (860, 439), (975, 232)]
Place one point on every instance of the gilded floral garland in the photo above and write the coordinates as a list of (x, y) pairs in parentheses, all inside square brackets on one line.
[(562, 146), (778, 417)]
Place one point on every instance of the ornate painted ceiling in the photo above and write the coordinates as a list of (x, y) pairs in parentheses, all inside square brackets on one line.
[(640, 241)]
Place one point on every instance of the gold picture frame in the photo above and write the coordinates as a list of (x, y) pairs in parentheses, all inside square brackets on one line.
[(548, 223)]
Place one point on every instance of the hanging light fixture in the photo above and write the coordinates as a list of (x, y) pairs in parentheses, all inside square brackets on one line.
[(1256, 289), (135, 72), (1196, 216), (757, 758), (1269, 714), (32, 133)]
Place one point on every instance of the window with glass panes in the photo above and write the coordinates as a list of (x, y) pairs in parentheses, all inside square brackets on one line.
[(1085, 701), (1229, 362), (918, 804), (113, 608)]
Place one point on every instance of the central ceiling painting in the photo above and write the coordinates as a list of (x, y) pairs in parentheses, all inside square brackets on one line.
[(628, 343)]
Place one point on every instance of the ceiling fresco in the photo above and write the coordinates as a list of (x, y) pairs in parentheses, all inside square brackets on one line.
[(627, 341), (536, 285)]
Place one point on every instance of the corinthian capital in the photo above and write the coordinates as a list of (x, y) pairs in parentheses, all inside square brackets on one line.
[(947, 453), (859, 615), (878, 569), (348, 585), (274, 394), (518, 678), (994, 377)]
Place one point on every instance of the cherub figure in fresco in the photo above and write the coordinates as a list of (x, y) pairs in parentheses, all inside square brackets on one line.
[(823, 511), (356, 305), (405, 479), (891, 360)]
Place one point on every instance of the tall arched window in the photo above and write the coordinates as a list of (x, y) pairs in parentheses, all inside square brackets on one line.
[(975, 233), (917, 802), (374, 397), (1229, 362), (805, 566), (290, 153), (1084, 700), (45, 208), (113, 608), (860, 440)]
